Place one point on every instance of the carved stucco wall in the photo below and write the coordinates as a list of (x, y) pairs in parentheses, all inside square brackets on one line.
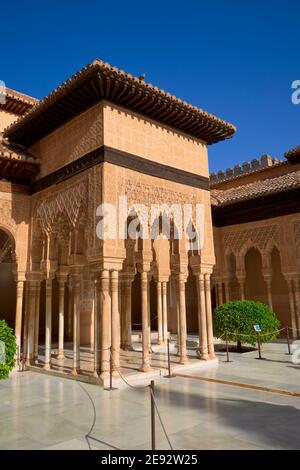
[(15, 217)]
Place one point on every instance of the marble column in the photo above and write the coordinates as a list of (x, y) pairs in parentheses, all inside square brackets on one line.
[(19, 314), (159, 313), (202, 318), (96, 314), (105, 323), (165, 311), (31, 321), (182, 321), (241, 282), (210, 337), (292, 308), (48, 324), (61, 318), (226, 286), (146, 367), (76, 323), (115, 320), (219, 291), (297, 300), (149, 313), (37, 323), (70, 308), (126, 337), (268, 282)]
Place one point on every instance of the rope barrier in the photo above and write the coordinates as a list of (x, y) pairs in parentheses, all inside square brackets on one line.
[(160, 419), (88, 435), (124, 380)]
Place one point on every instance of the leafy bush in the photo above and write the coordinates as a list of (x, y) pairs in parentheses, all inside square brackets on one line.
[(238, 317), (8, 338)]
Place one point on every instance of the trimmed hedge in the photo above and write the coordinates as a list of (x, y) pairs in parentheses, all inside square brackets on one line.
[(237, 318), (9, 339)]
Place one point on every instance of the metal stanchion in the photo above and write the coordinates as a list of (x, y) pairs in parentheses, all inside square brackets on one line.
[(169, 376), (110, 388), (152, 415), (227, 349), (258, 345), (288, 340)]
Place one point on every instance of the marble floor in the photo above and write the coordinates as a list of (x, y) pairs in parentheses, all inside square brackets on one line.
[(40, 411)]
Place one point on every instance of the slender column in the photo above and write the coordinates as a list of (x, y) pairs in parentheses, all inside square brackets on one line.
[(202, 318), (165, 311), (219, 291), (70, 308), (61, 318), (297, 298), (76, 324), (242, 288), (145, 323), (269, 291), (96, 313), (105, 323), (126, 341), (37, 323), (19, 310), (159, 313), (149, 313), (210, 337), (226, 285), (48, 325), (115, 320), (292, 308), (182, 321), (31, 317), (26, 321)]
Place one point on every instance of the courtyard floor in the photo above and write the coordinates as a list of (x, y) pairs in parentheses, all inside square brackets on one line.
[(39, 411)]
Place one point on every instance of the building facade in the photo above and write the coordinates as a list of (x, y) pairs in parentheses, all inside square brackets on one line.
[(101, 135), (256, 219), (104, 135)]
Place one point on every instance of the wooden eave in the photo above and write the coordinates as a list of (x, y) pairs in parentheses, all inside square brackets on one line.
[(99, 81)]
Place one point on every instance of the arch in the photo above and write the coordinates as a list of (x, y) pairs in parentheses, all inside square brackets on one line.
[(255, 286), (233, 284), (279, 289), (7, 280)]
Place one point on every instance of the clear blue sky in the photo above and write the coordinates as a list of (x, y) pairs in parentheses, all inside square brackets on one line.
[(236, 59)]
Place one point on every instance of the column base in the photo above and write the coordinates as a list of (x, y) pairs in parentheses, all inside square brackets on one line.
[(95, 374), (104, 375), (47, 366), (160, 341), (204, 357), (126, 347), (146, 368), (212, 356), (60, 356), (75, 371), (184, 360)]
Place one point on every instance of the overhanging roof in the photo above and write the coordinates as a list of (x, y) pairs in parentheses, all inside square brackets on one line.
[(17, 103), (99, 80), (16, 164)]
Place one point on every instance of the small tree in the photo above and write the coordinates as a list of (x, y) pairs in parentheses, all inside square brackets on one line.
[(7, 349), (236, 318)]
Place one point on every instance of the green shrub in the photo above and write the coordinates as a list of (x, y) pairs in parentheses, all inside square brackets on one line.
[(238, 317), (8, 338)]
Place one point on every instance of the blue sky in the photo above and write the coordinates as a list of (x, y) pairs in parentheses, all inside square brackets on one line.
[(233, 58)]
